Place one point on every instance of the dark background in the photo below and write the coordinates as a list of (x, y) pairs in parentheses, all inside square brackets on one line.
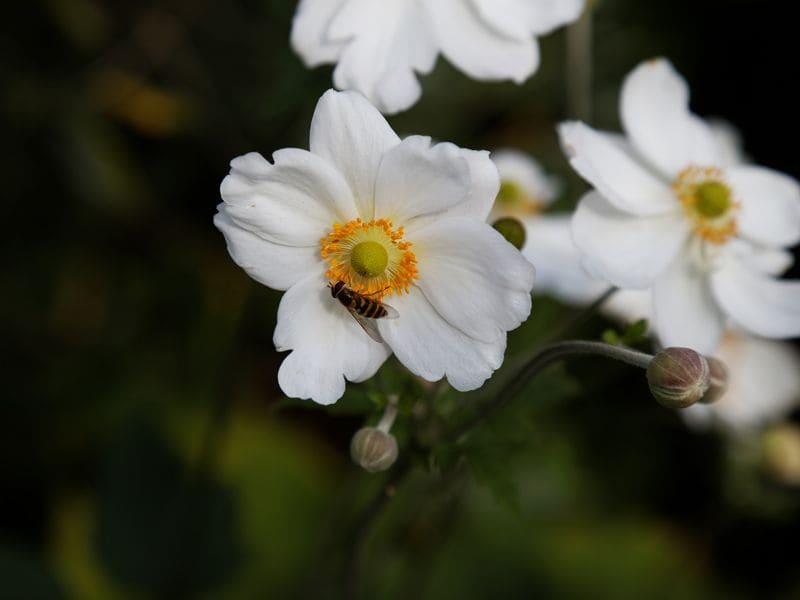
[(145, 448)]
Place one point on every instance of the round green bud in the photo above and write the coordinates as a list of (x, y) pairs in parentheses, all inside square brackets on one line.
[(373, 449), (369, 258), (511, 229), (678, 377), (718, 380), (509, 192), (713, 199)]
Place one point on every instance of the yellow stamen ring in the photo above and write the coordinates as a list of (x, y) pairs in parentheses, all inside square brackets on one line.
[(708, 202), (370, 257)]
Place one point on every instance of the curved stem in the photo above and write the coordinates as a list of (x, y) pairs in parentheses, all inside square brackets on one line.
[(546, 355)]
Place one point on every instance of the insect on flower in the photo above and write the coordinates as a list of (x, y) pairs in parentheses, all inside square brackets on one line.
[(363, 308)]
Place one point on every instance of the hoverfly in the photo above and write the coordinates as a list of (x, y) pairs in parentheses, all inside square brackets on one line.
[(364, 309)]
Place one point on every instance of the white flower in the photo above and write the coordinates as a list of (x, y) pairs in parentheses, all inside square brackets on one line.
[(669, 212), (525, 191), (380, 46), (400, 221), (764, 375)]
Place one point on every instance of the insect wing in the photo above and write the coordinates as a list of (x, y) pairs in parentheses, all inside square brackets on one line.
[(368, 325), (391, 313)]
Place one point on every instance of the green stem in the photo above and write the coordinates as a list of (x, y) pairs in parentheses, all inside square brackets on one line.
[(579, 66), (541, 359)]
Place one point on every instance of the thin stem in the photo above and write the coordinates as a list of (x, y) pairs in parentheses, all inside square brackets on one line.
[(540, 360), (579, 66), (389, 415)]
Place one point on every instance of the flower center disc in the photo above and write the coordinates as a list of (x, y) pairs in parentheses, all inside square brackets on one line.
[(708, 202), (513, 199), (370, 257)]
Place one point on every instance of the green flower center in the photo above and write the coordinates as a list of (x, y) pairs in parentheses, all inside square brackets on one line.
[(712, 199), (509, 192), (369, 259)]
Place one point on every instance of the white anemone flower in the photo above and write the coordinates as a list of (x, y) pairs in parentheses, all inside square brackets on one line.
[(526, 190), (380, 47), (400, 222), (763, 375), (669, 212)]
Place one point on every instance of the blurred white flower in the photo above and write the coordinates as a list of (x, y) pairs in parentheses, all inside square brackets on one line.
[(379, 47), (525, 191), (764, 375), (669, 212), (401, 221)]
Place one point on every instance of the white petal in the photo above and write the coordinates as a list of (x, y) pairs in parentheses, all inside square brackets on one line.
[(654, 107), (729, 142), (310, 26), (761, 304), (275, 265), (629, 305), (293, 202), (629, 252), (432, 348), (473, 277), (685, 313), (523, 18), (763, 259), (549, 247), (527, 173), (326, 342), (349, 133), (416, 178), (604, 161), (387, 42), (478, 49), (770, 205)]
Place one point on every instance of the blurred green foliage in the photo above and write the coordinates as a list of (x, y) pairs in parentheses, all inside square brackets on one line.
[(146, 449)]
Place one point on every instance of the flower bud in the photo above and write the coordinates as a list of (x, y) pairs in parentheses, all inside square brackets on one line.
[(511, 229), (373, 450), (678, 377), (718, 380)]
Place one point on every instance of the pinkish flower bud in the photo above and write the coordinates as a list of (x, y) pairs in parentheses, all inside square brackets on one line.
[(718, 380), (373, 449), (678, 377)]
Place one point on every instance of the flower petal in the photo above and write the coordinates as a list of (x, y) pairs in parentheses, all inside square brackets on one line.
[(326, 342), (761, 304), (770, 205), (387, 42), (432, 348), (684, 310), (349, 133), (477, 48), (275, 265), (628, 251), (416, 178), (604, 161), (654, 108), (309, 36), (475, 279), (549, 247), (523, 18), (293, 202), (770, 261)]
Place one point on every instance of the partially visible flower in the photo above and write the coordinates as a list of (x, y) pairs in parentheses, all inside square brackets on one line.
[(670, 213), (380, 47), (396, 221), (763, 375), (526, 190)]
